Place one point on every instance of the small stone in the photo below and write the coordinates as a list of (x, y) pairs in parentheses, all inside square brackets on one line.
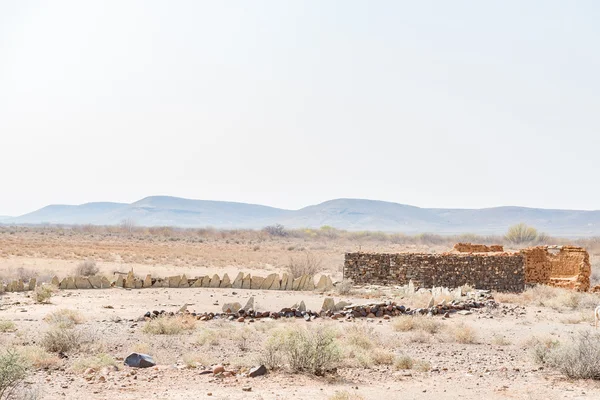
[(247, 389), (257, 371), (219, 369)]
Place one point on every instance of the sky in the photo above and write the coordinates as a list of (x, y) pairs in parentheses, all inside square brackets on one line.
[(462, 104)]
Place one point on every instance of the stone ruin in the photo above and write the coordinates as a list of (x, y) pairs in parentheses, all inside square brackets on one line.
[(480, 266)]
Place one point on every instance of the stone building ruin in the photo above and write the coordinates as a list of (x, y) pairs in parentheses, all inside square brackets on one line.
[(480, 266)]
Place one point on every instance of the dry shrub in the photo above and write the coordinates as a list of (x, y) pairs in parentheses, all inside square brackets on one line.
[(309, 264), (344, 287), (578, 358), (60, 339), (422, 366), (196, 360), (38, 357), (165, 325), (64, 318), (7, 326), (419, 337), (87, 268), (521, 233), (541, 348), (345, 395), (500, 340), (382, 357), (465, 334), (360, 336), (302, 350), (13, 370), (553, 297), (407, 323), (95, 362), (208, 337), (42, 294), (403, 362)]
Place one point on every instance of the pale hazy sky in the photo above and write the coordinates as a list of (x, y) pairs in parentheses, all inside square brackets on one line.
[(430, 103)]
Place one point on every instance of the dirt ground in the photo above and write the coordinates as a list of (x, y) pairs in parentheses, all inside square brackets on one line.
[(485, 354)]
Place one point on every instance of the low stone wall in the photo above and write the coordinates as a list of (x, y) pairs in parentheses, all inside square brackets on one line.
[(502, 272), (242, 281), (561, 266), (478, 248)]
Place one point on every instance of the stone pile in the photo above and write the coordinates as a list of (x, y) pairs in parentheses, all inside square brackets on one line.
[(478, 248), (340, 310)]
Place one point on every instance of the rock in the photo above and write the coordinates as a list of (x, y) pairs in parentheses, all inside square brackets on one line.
[(284, 281), (257, 282), (174, 281), (231, 307), (431, 302), (237, 282), (61, 285), (296, 283), (81, 282), (249, 305), (276, 285), (138, 283), (55, 281), (226, 282), (328, 304), (464, 312), (147, 281), (290, 283), (71, 283), (129, 281), (301, 307), (340, 305), (138, 360), (95, 281), (246, 389), (257, 371), (241, 319), (119, 281), (309, 284), (329, 283), (105, 282), (32, 282), (266, 284), (183, 282), (215, 282), (218, 369), (197, 283), (322, 284), (247, 282)]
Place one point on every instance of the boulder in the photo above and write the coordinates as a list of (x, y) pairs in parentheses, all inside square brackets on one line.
[(215, 282), (329, 283), (119, 282), (206, 281), (249, 304), (328, 304), (81, 282), (95, 282), (247, 282), (237, 282), (147, 281), (290, 283), (71, 283), (296, 283), (301, 307), (276, 285), (309, 284), (138, 283), (225, 282), (231, 307), (32, 282), (20, 286), (129, 281), (137, 360), (257, 371), (63, 284), (183, 282), (55, 281)]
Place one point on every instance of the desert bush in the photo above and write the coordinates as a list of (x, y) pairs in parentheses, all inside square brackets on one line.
[(208, 337), (64, 318), (360, 336), (276, 230), (7, 326), (407, 323), (520, 234), (60, 339), (42, 294), (422, 366), (403, 362), (344, 287), (38, 357), (95, 362), (87, 268), (465, 334), (578, 358), (419, 337), (500, 340), (165, 325), (309, 264), (345, 395), (13, 370), (382, 357), (541, 348), (302, 350)]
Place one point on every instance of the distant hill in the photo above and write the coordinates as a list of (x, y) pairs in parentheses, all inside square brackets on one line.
[(4, 217), (348, 214)]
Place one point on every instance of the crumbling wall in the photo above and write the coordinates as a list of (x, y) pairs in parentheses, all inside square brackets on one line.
[(478, 248), (501, 272), (562, 266)]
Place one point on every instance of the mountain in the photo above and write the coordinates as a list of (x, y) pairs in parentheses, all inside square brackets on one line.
[(349, 214), (4, 217)]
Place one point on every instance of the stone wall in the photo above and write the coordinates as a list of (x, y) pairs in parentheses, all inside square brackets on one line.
[(562, 266), (502, 272), (130, 281), (478, 248)]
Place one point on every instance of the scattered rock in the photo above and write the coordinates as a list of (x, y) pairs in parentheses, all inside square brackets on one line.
[(257, 371), (137, 360)]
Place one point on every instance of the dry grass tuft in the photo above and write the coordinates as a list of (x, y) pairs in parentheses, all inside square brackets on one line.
[(500, 340), (38, 357), (403, 362), (65, 318), (42, 294), (423, 323), (86, 268), (165, 325), (96, 362), (7, 326), (61, 340), (345, 395), (465, 334)]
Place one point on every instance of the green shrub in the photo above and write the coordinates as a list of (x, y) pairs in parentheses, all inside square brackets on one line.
[(521, 233), (13, 370), (579, 358)]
